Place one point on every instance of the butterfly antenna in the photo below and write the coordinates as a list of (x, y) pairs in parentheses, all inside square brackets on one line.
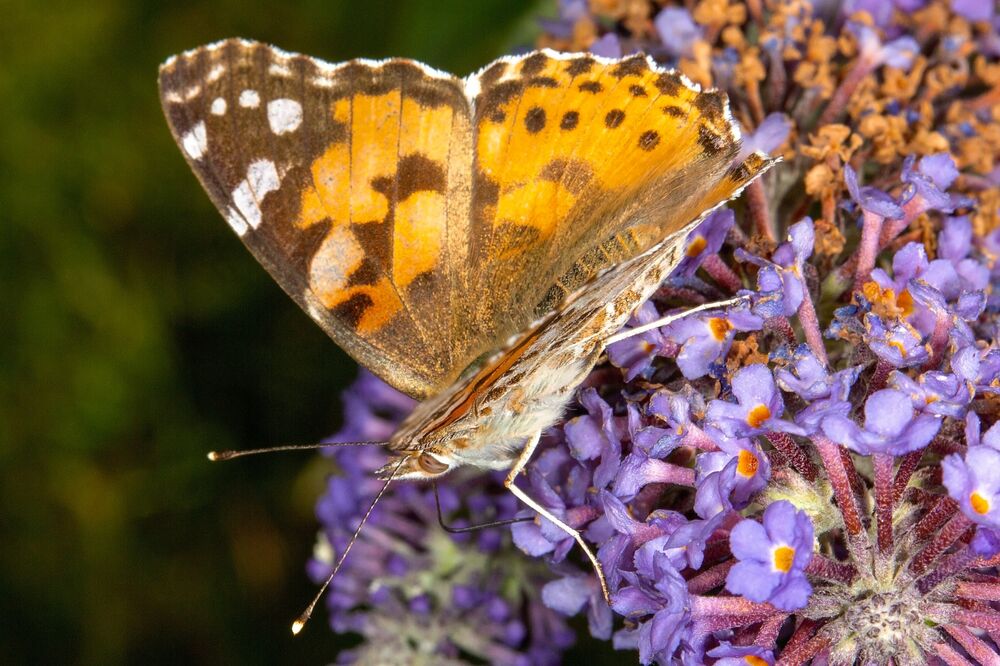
[(301, 620), (216, 456)]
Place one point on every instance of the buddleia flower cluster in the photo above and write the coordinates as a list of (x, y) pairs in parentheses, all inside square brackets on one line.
[(811, 475)]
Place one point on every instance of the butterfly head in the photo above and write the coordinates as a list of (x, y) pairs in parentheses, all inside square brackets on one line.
[(417, 465)]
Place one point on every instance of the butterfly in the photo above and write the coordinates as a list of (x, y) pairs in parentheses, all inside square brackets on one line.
[(474, 242)]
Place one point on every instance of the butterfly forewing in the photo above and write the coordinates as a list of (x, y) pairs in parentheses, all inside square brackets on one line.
[(423, 220), (349, 183), (582, 163)]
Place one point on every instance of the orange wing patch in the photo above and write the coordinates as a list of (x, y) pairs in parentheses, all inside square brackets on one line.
[(381, 183), (582, 163), (550, 129)]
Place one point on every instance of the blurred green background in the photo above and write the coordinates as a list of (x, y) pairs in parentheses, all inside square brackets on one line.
[(136, 334)]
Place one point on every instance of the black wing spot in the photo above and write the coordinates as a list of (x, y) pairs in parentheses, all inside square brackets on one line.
[(649, 140), (534, 119)]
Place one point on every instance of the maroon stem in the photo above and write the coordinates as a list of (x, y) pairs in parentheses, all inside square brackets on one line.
[(977, 619), (977, 648), (883, 500), (810, 326), (720, 271), (950, 656), (949, 566), (767, 636), (949, 534), (837, 473), (871, 226), (862, 68), (979, 590), (711, 579), (935, 518), (759, 212), (803, 652), (907, 466), (821, 566), (880, 376), (794, 453)]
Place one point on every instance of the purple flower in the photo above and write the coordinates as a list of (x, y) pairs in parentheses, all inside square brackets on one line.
[(634, 354), (974, 10), (745, 655), (758, 409), (938, 393), (570, 594), (772, 132), (954, 246), (891, 426), (990, 438), (655, 596), (898, 344), (608, 46), (750, 473), (974, 482), (928, 184), (780, 283), (871, 199), (705, 241), (677, 30), (772, 557), (706, 338), (898, 53)]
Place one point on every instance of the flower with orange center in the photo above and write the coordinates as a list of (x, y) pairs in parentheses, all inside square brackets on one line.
[(748, 464), (782, 557), (757, 415)]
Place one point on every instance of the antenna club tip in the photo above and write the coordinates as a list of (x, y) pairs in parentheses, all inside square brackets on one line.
[(213, 455), (297, 626)]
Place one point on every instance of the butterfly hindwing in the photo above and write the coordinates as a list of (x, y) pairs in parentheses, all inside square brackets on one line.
[(349, 183)]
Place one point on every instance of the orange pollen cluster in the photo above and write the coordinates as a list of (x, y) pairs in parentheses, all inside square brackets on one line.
[(905, 303), (783, 557), (698, 244), (754, 660), (758, 415), (719, 327), (980, 504), (747, 465)]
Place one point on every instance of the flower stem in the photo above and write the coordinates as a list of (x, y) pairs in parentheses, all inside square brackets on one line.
[(828, 569), (949, 534), (810, 327), (868, 248), (794, 453), (759, 212), (837, 473), (883, 500), (907, 466)]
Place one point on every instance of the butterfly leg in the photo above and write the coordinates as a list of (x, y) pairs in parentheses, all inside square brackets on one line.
[(669, 319), (518, 467)]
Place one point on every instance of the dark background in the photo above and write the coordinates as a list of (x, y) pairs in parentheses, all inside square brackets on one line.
[(136, 334)]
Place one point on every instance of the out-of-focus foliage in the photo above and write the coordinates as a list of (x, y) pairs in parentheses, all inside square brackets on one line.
[(136, 334)]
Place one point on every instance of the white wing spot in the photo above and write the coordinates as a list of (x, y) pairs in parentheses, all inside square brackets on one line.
[(236, 221), (249, 99), (195, 141), (262, 178), (219, 106), (284, 115), (215, 74)]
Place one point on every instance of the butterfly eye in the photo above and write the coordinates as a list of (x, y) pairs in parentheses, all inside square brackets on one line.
[(431, 465)]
